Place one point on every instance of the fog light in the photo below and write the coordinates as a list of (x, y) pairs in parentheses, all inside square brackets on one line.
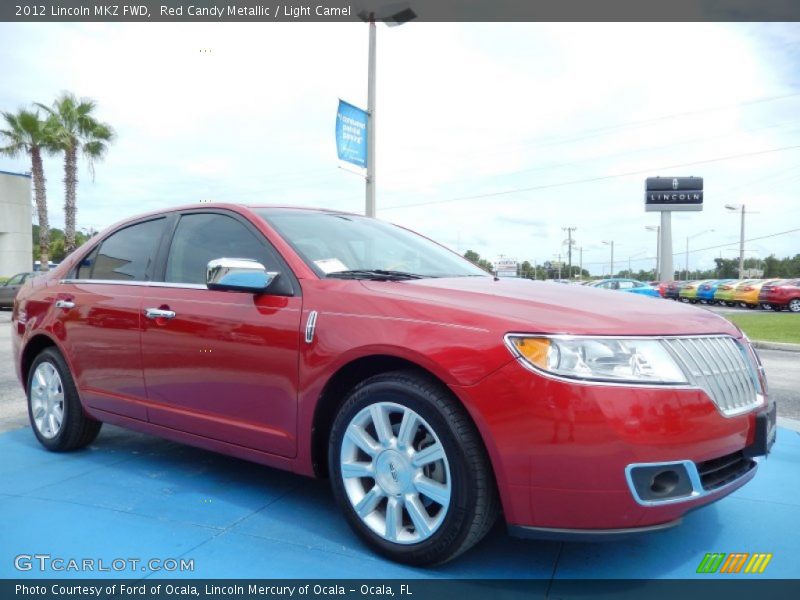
[(664, 483)]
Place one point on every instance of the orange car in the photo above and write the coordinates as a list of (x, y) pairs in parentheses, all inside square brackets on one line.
[(746, 293)]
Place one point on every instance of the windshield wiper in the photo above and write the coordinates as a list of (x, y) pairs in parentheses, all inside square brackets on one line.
[(375, 274)]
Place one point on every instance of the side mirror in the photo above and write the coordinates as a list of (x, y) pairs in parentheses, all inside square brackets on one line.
[(238, 275)]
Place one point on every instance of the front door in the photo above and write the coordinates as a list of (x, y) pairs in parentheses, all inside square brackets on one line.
[(225, 365)]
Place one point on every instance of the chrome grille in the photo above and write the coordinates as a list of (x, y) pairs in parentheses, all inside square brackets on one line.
[(722, 368)]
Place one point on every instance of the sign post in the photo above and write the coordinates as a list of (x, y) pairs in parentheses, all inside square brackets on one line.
[(664, 195)]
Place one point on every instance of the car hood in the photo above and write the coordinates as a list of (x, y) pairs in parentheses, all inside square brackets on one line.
[(535, 306)]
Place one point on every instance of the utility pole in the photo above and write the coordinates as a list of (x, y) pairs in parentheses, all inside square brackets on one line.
[(611, 243), (569, 231), (580, 254)]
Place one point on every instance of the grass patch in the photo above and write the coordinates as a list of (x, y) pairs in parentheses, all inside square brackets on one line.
[(770, 327)]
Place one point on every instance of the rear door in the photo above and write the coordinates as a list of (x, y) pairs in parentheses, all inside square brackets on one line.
[(226, 365), (98, 318)]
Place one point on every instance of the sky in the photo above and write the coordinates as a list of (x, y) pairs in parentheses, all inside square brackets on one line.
[(490, 137)]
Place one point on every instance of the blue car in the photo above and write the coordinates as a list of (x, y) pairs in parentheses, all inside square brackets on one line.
[(705, 293), (627, 285)]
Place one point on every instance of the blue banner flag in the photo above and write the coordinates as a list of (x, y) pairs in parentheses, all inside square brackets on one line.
[(351, 134)]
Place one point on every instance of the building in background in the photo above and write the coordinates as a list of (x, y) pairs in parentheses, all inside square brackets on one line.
[(16, 247), (506, 267)]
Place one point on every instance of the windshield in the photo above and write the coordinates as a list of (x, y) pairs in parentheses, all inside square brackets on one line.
[(333, 243)]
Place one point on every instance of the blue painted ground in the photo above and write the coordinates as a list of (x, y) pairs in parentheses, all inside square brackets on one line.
[(135, 496)]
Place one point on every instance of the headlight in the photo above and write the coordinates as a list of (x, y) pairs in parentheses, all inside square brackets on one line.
[(599, 359)]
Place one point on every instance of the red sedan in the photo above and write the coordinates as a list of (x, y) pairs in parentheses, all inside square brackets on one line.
[(434, 396), (781, 294)]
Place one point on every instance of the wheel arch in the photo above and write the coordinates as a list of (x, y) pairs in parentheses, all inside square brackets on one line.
[(345, 379), (33, 347)]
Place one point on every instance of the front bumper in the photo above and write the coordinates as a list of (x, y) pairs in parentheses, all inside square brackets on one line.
[(560, 450)]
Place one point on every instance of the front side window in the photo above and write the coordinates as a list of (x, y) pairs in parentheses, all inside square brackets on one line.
[(336, 243), (626, 285), (203, 237), (16, 279), (127, 254)]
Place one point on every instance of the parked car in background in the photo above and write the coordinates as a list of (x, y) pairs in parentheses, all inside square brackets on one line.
[(726, 292), (747, 295), (661, 286), (37, 265), (627, 285), (433, 396), (688, 291), (781, 294), (706, 290), (9, 289), (672, 289)]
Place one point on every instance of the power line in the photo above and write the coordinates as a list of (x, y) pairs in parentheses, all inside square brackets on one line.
[(592, 179), (717, 247)]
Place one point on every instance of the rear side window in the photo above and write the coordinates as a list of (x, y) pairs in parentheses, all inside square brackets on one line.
[(203, 237), (126, 255)]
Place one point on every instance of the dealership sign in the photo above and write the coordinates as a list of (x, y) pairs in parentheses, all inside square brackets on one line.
[(351, 134), (673, 193)]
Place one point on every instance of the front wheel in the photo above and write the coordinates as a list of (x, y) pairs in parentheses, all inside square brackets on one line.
[(54, 408), (794, 305), (409, 470)]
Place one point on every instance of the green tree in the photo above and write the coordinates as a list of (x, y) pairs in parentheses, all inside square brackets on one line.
[(476, 259), (26, 134), (76, 130)]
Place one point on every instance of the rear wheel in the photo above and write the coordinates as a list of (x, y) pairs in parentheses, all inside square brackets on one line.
[(54, 408), (409, 470)]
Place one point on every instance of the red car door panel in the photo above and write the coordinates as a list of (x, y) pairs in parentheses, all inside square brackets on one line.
[(225, 365)]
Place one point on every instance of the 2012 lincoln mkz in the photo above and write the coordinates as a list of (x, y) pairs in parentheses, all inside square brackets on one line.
[(435, 397)]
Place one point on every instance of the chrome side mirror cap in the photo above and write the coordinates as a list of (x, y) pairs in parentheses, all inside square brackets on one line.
[(239, 275)]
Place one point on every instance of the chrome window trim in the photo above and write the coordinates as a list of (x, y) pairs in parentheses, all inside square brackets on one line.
[(694, 478), (760, 399), (158, 284)]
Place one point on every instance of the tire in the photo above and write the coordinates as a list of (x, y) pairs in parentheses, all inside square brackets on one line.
[(751, 306), (767, 306), (463, 504), (794, 305), (52, 392)]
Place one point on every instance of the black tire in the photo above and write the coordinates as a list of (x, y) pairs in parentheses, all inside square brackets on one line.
[(767, 306), (473, 505), (77, 428)]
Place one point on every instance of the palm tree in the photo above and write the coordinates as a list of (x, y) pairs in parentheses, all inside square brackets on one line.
[(26, 133), (76, 129)]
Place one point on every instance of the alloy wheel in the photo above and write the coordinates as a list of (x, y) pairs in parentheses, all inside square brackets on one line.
[(47, 400), (794, 305), (395, 473)]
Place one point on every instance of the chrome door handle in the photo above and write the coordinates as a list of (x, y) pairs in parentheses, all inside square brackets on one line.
[(65, 304), (158, 313)]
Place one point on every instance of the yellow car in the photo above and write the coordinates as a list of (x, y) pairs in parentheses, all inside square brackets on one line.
[(746, 293)]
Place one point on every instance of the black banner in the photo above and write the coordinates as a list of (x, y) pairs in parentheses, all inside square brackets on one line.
[(715, 586), (393, 12)]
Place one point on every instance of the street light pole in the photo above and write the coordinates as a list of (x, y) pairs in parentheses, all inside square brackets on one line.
[(690, 237), (371, 68), (657, 229), (392, 16)]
